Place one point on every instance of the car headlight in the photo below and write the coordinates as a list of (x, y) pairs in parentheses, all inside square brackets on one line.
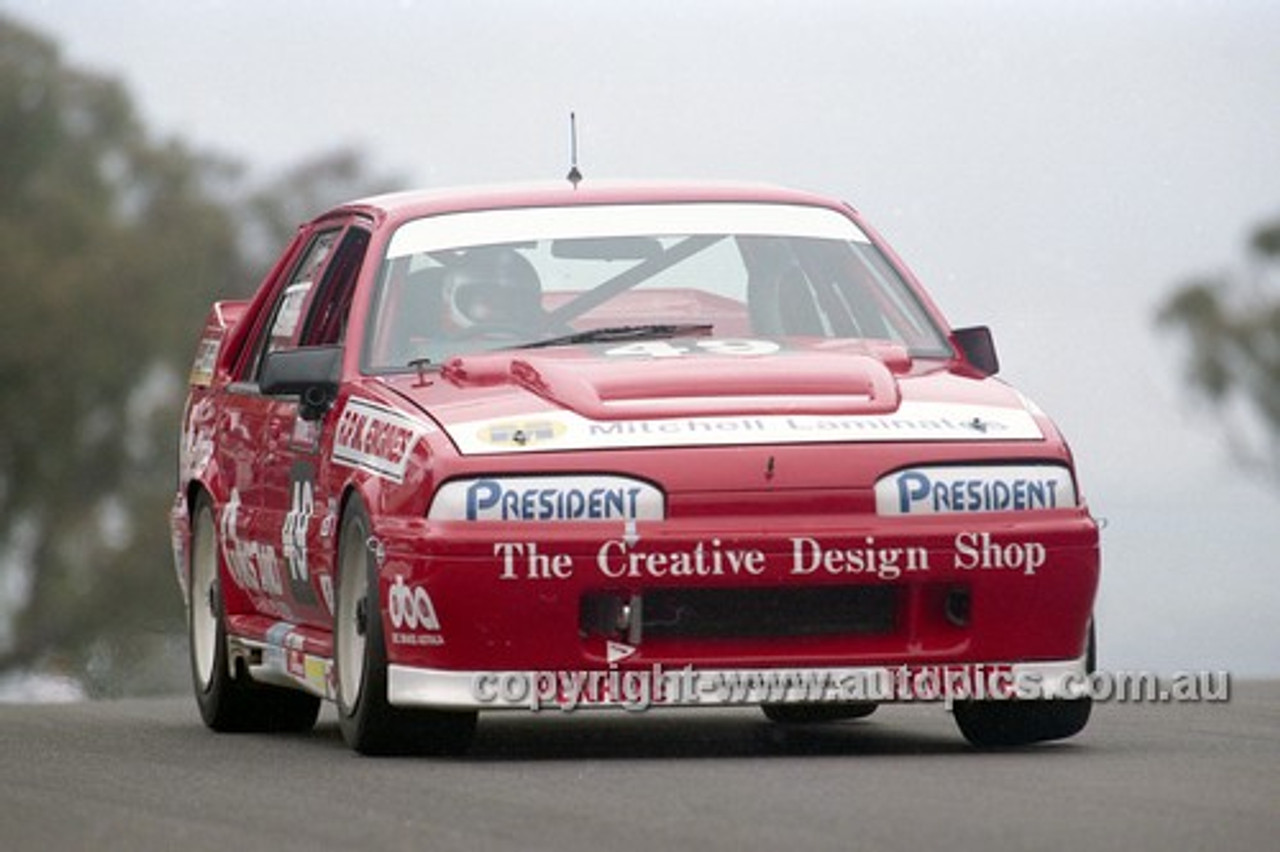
[(548, 498), (936, 490)]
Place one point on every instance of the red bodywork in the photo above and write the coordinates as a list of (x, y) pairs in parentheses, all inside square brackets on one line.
[(765, 481)]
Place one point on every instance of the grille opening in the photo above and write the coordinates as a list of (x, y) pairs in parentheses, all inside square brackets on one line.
[(759, 613)]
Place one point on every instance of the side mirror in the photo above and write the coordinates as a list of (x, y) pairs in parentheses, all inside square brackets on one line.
[(978, 348), (310, 373)]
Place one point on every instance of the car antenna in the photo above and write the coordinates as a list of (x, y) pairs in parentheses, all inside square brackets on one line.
[(574, 176)]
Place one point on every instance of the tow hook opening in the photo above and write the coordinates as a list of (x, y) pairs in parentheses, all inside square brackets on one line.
[(958, 607), (611, 615)]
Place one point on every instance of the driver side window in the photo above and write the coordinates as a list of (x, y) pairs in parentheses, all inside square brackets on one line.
[(287, 312)]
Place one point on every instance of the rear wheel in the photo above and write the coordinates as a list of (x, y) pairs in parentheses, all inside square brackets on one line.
[(370, 724), (816, 713), (229, 703)]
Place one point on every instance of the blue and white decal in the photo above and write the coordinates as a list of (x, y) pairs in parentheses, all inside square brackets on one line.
[(548, 498), (986, 488)]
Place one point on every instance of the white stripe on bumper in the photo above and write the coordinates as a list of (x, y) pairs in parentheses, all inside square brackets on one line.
[(665, 686)]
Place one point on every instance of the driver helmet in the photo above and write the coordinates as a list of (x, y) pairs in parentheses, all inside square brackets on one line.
[(492, 286)]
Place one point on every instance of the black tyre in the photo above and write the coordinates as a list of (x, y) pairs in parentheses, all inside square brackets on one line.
[(1007, 724), (370, 724), (229, 703), (1004, 724), (817, 713)]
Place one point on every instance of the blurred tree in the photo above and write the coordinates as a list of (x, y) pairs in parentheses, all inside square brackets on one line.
[(112, 246), (1232, 327), (274, 211)]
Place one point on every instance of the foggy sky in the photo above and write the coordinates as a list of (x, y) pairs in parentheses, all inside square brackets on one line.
[(1049, 169)]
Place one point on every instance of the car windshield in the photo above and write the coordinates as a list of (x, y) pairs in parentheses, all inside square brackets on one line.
[(604, 274)]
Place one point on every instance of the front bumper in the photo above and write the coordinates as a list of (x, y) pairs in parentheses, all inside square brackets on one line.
[(659, 686), (461, 601)]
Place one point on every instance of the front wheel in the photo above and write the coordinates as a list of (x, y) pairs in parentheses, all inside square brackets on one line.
[(1002, 724), (369, 723), (229, 703), (1011, 723)]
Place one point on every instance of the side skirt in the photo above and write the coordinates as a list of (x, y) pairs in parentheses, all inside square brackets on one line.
[(286, 655)]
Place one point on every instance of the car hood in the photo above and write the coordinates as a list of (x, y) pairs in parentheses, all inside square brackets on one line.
[(583, 399)]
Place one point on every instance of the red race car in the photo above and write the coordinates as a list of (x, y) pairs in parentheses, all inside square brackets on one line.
[(623, 445)]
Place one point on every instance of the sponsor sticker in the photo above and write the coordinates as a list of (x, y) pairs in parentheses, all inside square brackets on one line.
[(948, 490), (254, 566), (286, 651), (375, 438), (803, 556), (316, 674), (286, 322), (913, 421), (305, 437), (294, 532), (548, 498), (206, 360), (521, 433), (412, 614)]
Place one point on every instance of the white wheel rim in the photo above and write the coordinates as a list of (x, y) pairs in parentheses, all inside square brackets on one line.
[(353, 592), (204, 618)]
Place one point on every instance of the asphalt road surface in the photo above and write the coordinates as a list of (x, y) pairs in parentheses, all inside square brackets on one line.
[(145, 775)]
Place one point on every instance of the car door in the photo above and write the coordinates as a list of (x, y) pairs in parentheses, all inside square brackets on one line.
[(297, 507), (246, 417)]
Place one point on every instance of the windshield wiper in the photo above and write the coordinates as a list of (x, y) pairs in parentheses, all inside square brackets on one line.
[(616, 333)]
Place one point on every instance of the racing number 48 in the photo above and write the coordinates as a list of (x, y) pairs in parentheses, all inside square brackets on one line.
[(664, 349)]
